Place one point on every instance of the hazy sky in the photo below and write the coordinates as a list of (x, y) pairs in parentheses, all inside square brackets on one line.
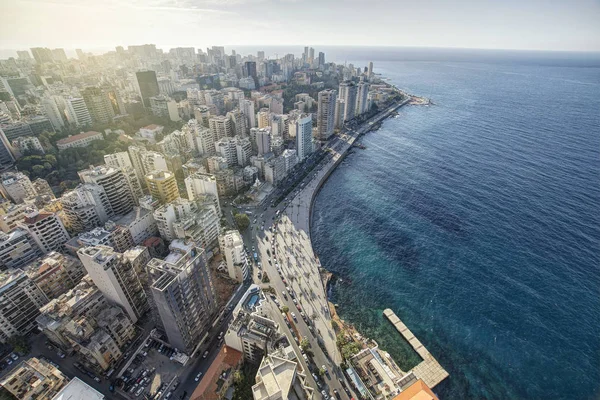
[(496, 24)]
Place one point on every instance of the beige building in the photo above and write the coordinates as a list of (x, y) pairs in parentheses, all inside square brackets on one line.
[(20, 301), (279, 378), (83, 139), (162, 186), (232, 248), (55, 273), (34, 379)]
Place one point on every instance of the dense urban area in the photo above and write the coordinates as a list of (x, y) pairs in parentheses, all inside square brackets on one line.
[(155, 227)]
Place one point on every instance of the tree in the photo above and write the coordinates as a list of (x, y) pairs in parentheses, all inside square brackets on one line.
[(304, 345), (285, 309), (19, 344), (242, 221)]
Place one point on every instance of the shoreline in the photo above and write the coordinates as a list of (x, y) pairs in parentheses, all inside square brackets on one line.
[(428, 369)]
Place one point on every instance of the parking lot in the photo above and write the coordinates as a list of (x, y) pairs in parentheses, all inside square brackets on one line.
[(151, 373)]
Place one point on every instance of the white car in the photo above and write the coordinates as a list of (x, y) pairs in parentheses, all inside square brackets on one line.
[(197, 378), (205, 354)]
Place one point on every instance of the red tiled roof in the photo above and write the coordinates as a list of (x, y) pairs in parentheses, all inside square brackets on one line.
[(417, 391), (227, 358), (80, 136)]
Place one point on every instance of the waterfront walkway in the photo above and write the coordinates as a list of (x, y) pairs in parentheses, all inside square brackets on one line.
[(429, 369)]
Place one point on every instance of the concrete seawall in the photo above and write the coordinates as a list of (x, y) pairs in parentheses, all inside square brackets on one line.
[(429, 369), (365, 128)]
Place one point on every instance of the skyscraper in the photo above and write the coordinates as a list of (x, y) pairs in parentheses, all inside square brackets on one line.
[(115, 184), (304, 144), (98, 104), (77, 111), (46, 229), (347, 93), (183, 294), (362, 101), (321, 58), (162, 186), (148, 86), (116, 278), (41, 54), (326, 113), (250, 71)]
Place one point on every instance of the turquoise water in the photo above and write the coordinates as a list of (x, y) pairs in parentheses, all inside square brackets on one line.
[(477, 221)]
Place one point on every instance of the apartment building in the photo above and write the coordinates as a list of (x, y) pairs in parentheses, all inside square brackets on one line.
[(183, 294)]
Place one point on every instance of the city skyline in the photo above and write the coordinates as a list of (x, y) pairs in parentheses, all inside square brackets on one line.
[(533, 26)]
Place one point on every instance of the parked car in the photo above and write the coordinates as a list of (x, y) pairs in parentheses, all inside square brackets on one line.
[(197, 378)]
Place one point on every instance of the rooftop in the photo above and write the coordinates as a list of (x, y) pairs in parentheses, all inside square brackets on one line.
[(227, 359), (417, 391), (78, 390), (77, 137)]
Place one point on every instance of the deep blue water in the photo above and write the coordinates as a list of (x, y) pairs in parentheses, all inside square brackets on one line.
[(477, 221)]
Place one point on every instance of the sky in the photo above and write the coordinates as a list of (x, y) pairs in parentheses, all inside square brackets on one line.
[(571, 25)]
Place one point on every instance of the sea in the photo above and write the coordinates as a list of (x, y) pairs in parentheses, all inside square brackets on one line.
[(477, 220)]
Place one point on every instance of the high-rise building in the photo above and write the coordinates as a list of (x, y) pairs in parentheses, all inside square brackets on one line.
[(6, 156), (46, 229), (55, 273), (85, 207), (362, 99), (220, 127), (263, 139), (162, 186), (311, 55), (199, 184), (321, 58), (98, 104), (304, 144), (326, 114), (148, 86), (347, 93), (17, 187), (20, 301), (17, 249), (227, 149), (77, 111), (244, 150), (59, 55), (116, 185), (183, 293), (250, 71), (247, 108), (164, 106), (232, 248), (53, 113), (41, 54), (238, 123), (116, 278), (370, 70), (23, 55), (118, 160)]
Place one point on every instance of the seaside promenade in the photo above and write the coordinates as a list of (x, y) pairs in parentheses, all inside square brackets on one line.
[(429, 369), (291, 264)]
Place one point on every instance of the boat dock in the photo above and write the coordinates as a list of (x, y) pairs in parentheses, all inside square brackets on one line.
[(429, 369)]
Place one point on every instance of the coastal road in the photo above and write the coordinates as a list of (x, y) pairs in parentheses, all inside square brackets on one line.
[(287, 256)]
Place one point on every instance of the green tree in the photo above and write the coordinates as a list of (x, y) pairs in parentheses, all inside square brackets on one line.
[(19, 344), (305, 345), (285, 309), (242, 221)]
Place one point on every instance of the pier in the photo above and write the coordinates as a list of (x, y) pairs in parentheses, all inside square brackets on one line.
[(429, 369)]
